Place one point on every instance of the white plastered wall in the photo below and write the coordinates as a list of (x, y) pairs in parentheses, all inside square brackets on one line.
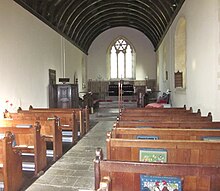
[(202, 57), (145, 54), (75, 66), (28, 49)]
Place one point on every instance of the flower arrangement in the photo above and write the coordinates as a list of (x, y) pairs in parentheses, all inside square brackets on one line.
[(6, 108)]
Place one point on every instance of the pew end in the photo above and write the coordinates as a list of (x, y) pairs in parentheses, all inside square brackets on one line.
[(11, 164)]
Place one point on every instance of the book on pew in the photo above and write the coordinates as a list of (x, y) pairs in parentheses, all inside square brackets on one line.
[(148, 137), (142, 120), (211, 138), (153, 155), (151, 183), (21, 146), (2, 135), (24, 126)]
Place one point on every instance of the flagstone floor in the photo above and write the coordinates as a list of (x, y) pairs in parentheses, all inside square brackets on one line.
[(75, 171)]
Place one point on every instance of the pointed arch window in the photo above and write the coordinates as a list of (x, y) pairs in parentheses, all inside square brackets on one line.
[(122, 56), (180, 54)]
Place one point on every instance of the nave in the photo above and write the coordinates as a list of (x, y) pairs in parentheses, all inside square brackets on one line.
[(177, 139), (74, 171)]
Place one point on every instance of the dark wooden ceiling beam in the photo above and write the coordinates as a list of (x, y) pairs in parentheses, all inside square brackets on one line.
[(90, 21), (93, 37), (129, 18), (91, 15), (89, 38), (75, 19), (105, 5), (67, 10), (147, 24)]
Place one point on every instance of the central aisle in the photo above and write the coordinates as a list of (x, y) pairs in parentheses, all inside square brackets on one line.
[(75, 171)]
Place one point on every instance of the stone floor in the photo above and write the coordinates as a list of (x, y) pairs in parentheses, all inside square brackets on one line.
[(74, 171)]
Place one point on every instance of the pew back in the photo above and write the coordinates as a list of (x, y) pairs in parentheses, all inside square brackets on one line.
[(178, 151), (49, 128), (165, 133), (158, 112), (29, 140), (82, 115), (126, 175), (70, 120), (149, 110), (165, 118), (183, 125)]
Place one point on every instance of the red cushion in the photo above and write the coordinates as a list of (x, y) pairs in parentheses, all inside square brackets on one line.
[(162, 101)]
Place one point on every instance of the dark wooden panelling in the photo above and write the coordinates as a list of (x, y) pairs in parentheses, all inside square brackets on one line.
[(81, 21)]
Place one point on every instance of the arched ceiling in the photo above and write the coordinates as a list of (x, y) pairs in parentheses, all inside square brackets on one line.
[(81, 21)]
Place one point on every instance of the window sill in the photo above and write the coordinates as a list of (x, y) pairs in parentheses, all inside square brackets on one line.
[(180, 90)]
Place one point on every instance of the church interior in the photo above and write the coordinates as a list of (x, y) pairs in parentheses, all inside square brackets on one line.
[(102, 95)]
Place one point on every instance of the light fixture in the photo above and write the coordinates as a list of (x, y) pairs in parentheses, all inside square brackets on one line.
[(174, 3)]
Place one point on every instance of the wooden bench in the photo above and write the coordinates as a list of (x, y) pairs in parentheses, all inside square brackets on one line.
[(155, 113), (82, 115), (10, 164), (67, 120), (166, 118), (164, 133), (178, 151), (173, 124), (120, 175), (81, 118), (49, 128), (184, 157), (159, 110), (29, 140)]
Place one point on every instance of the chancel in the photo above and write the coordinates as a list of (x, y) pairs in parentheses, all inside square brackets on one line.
[(96, 94)]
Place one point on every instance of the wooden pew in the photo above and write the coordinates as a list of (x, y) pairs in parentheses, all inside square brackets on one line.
[(29, 140), (49, 128), (81, 118), (67, 120), (10, 164), (82, 115), (164, 133), (120, 175), (155, 113), (159, 110), (166, 118), (196, 154), (159, 114), (178, 151), (173, 124)]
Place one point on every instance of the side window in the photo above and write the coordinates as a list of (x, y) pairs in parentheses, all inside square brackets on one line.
[(180, 54)]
